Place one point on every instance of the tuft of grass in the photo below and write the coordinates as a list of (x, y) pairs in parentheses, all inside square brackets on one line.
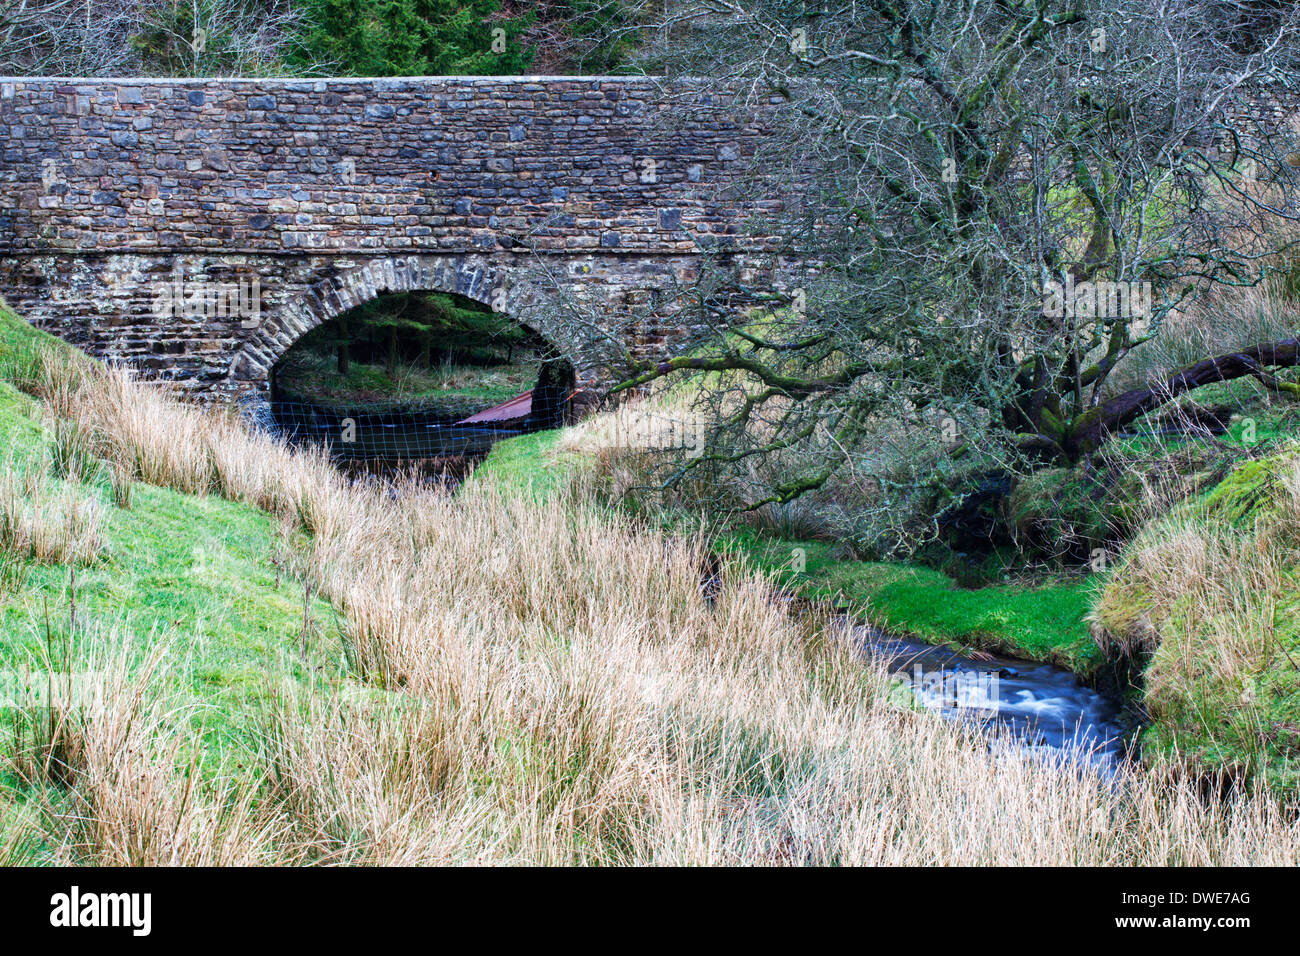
[(51, 525), (119, 486), (71, 453), (98, 754)]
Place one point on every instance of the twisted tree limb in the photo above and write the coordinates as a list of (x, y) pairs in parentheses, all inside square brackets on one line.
[(1090, 429)]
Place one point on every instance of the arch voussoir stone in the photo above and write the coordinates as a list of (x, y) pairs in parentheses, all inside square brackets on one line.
[(330, 297)]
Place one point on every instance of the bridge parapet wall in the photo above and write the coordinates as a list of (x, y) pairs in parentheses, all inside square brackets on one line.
[(553, 164)]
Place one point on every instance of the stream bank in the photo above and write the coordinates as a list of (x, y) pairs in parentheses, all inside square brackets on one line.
[(1047, 682)]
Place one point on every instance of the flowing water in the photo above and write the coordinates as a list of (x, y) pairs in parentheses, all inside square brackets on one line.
[(1043, 707)]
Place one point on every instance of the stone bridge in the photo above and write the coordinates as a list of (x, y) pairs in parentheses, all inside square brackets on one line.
[(198, 228)]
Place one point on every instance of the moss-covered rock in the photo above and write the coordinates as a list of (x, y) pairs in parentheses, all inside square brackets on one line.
[(1062, 512), (1059, 511), (1249, 489), (1102, 502)]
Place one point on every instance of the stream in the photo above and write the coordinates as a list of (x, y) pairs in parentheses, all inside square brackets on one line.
[(1043, 707)]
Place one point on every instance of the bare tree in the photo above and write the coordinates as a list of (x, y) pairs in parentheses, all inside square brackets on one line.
[(222, 37), (67, 37), (1002, 201), (145, 37)]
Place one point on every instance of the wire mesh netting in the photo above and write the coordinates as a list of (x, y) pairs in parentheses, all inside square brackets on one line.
[(386, 433)]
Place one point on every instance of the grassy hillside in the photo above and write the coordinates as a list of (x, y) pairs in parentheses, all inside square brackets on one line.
[(203, 579), (510, 678)]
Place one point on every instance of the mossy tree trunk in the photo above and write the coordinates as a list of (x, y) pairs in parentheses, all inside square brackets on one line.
[(1088, 431)]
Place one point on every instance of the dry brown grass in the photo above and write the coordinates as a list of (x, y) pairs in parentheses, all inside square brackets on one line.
[(546, 684), (1218, 321), (100, 751), (47, 523)]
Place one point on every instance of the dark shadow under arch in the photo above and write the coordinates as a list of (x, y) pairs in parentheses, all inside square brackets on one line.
[(471, 276)]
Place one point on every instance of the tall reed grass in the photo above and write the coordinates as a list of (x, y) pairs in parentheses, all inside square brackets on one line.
[(546, 683), (96, 747), (47, 523)]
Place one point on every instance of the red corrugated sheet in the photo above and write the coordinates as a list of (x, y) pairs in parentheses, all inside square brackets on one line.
[(518, 407)]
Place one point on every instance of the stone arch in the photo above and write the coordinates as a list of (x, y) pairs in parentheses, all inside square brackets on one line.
[(472, 276)]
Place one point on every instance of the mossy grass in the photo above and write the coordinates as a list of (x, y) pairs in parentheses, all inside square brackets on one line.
[(1043, 622), (532, 464), (1209, 599)]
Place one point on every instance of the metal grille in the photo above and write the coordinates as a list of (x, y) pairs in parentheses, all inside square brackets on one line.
[(385, 433)]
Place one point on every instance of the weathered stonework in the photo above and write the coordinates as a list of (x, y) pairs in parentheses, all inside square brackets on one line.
[(511, 191)]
